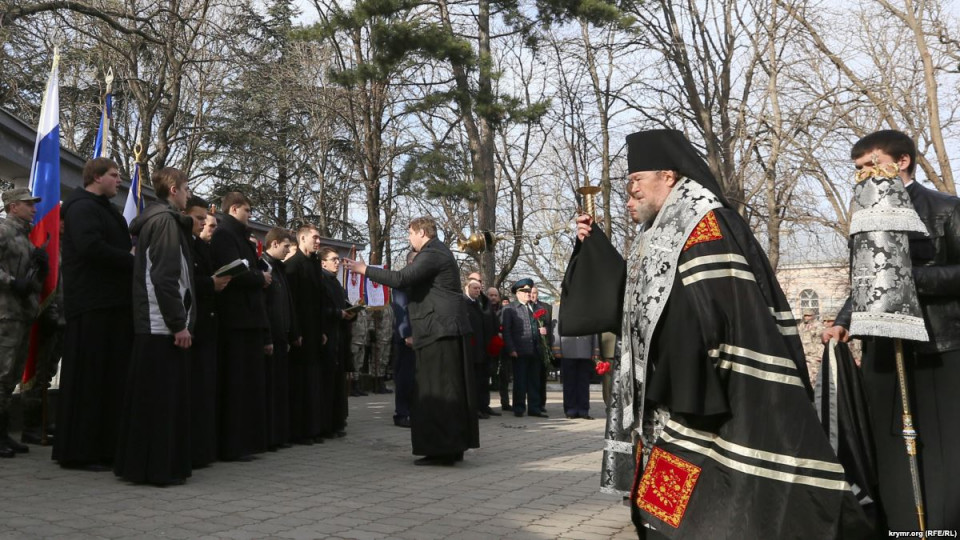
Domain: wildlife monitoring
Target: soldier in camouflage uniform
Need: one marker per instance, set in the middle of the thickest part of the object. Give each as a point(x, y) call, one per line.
point(383, 340)
point(380, 323)
point(23, 268)
point(359, 336)
point(51, 325)
point(810, 330)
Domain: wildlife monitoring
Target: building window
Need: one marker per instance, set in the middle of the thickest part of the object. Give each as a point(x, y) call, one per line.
point(809, 300)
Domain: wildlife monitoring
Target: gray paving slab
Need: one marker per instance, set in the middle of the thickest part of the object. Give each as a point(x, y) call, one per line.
point(532, 478)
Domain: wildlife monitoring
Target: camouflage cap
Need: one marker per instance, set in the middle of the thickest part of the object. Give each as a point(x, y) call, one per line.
point(809, 311)
point(18, 194)
point(829, 316)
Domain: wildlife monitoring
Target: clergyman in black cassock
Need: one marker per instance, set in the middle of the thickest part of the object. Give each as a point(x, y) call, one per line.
point(711, 399)
point(444, 417)
point(336, 327)
point(203, 351)
point(307, 417)
point(283, 326)
point(97, 284)
point(244, 332)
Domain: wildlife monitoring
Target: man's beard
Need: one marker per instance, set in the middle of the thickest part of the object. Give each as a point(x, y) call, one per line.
point(645, 213)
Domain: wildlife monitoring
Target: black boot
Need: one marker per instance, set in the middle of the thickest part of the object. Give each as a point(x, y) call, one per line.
point(32, 426)
point(5, 439)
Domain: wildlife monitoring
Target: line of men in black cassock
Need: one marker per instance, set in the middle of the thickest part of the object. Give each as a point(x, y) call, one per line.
point(167, 367)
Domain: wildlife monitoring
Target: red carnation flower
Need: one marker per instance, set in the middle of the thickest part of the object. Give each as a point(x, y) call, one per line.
point(602, 367)
point(494, 346)
point(539, 313)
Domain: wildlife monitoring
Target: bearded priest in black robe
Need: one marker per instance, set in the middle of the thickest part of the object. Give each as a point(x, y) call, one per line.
point(711, 432)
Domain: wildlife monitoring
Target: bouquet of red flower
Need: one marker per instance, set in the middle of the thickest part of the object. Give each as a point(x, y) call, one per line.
point(602, 367)
point(495, 345)
point(540, 316)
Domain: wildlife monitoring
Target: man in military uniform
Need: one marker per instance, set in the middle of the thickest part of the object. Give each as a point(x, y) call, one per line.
point(51, 324)
point(359, 338)
point(23, 268)
point(382, 322)
point(810, 329)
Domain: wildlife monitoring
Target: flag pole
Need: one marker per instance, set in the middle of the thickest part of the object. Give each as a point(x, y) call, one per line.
point(910, 437)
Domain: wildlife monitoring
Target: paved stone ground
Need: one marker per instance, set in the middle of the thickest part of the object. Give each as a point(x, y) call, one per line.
point(532, 478)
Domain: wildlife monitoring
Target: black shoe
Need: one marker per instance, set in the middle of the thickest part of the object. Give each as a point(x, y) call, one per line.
point(14, 445)
point(445, 461)
point(492, 412)
point(572, 416)
point(541, 414)
point(518, 414)
point(458, 456)
point(506, 408)
point(318, 440)
point(587, 417)
point(6, 451)
point(402, 422)
point(340, 434)
point(482, 415)
point(32, 436)
point(306, 441)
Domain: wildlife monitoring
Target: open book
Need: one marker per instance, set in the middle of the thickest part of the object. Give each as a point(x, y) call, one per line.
point(232, 268)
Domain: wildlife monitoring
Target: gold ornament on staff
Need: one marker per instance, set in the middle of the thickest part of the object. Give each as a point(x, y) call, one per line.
point(479, 241)
point(589, 203)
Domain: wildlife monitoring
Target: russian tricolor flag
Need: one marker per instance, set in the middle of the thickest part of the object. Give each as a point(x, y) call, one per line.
point(134, 204)
point(103, 132)
point(45, 183)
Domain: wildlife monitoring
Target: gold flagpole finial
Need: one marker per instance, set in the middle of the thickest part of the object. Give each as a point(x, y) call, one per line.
point(109, 80)
point(138, 152)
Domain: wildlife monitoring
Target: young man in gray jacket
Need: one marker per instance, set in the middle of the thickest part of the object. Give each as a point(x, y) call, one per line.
point(154, 442)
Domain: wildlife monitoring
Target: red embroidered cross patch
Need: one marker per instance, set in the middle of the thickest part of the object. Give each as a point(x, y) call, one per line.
point(707, 230)
point(666, 486)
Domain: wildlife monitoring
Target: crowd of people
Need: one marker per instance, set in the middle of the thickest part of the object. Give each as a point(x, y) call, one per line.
point(182, 345)
point(191, 347)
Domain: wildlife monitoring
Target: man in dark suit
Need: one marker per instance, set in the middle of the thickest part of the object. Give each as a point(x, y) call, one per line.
point(483, 326)
point(405, 359)
point(444, 416)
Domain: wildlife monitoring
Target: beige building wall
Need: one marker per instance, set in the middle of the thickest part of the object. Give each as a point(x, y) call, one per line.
point(821, 286)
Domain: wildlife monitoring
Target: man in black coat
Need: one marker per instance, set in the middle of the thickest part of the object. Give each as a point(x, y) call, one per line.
point(308, 419)
point(97, 285)
point(932, 368)
point(336, 326)
point(285, 333)
point(244, 336)
point(203, 352)
point(483, 326)
point(444, 415)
